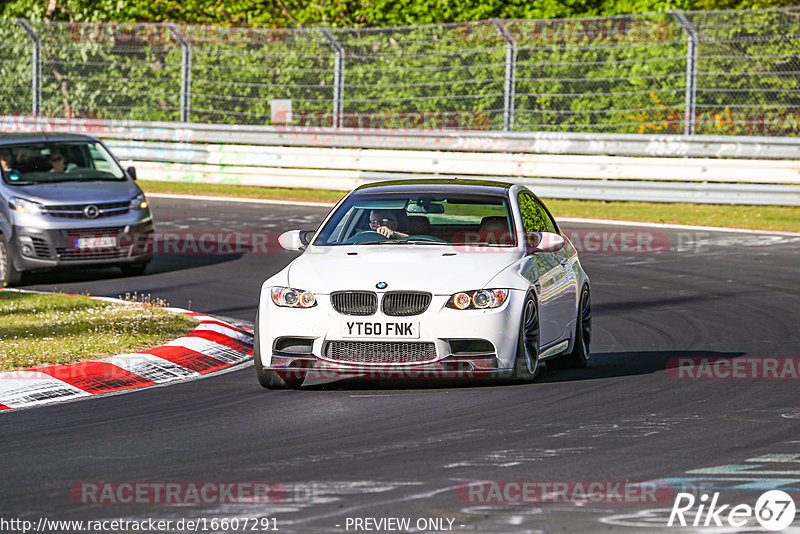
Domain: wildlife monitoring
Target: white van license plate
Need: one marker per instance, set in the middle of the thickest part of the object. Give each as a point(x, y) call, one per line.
point(96, 242)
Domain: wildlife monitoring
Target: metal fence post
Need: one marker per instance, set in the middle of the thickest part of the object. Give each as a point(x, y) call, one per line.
point(691, 70)
point(36, 66)
point(338, 76)
point(186, 71)
point(510, 76)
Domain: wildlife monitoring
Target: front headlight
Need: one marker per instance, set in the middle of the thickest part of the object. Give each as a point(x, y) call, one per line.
point(139, 202)
point(25, 206)
point(293, 298)
point(478, 299)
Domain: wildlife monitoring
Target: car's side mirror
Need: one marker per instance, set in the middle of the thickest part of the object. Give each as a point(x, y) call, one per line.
point(132, 172)
point(543, 242)
point(306, 235)
point(295, 239)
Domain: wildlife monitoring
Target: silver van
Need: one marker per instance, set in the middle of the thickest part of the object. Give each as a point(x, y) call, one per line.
point(66, 201)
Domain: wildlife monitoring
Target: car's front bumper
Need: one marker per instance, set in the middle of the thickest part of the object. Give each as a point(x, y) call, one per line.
point(48, 248)
point(460, 343)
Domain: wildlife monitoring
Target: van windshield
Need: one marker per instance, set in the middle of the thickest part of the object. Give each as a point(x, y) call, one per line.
point(48, 162)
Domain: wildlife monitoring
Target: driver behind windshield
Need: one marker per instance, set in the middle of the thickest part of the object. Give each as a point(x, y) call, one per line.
point(389, 222)
point(59, 162)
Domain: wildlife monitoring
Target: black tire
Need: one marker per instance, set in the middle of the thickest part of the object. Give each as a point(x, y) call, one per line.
point(133, 269)
point(526, 362)
point(9, 275)
point(579, 356)
point(272, 380)
point(267, 378)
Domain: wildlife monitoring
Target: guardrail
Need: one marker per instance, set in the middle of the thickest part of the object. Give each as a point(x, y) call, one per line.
point(709, 169)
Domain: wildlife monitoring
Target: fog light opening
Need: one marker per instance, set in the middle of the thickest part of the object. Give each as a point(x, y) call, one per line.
point(26, 246)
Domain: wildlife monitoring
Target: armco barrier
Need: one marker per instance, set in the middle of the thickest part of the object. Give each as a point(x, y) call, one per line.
point(663, 168)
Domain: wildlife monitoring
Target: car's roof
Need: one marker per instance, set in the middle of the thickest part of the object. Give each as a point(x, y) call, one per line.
point(42, 137)
point(451, 186)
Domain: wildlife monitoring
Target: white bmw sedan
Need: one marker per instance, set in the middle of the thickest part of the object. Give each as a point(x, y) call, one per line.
point(424, 278)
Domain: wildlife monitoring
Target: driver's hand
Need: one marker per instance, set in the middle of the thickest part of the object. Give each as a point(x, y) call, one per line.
point(385, 231)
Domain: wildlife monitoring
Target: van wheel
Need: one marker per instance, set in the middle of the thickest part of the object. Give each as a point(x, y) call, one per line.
point(133, 269)
point(9, 275)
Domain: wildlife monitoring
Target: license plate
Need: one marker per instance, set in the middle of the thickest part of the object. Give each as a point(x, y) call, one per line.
point(95, 242)
point(381, 329)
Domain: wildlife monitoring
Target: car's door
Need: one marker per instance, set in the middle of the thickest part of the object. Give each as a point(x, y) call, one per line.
point(551, 272)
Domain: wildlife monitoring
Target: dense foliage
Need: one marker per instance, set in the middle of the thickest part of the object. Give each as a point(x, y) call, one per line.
point(347, 13)
point(623, 74)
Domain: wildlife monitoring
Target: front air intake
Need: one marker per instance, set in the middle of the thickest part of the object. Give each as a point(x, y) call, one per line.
point(355, 302)
point(405, 303)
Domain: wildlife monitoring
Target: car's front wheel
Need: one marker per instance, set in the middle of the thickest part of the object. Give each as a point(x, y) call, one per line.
point(526, 362)
point(9, 275)
point(579, 356)
point(268, 378)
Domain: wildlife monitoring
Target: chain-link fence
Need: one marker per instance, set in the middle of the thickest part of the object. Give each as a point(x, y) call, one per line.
point(16, 69)
point(708, 72)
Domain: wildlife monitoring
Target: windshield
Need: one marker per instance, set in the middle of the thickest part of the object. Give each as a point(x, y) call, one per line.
point(48, 162)
point(394, 218)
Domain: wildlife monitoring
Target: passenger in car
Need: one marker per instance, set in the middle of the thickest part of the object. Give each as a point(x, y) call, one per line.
point(494, 230)
point(6, 159)
point(7, 164)
point(418, 225)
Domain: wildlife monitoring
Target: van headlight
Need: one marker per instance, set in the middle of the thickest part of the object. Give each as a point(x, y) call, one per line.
point(289, 297)
point(25, 206)
point(139, 202)
point(478, 299)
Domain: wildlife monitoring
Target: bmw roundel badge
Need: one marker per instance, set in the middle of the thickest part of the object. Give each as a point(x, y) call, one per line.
point(381, 285)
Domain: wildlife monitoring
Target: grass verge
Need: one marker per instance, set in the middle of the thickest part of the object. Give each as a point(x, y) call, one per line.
point(779, 218)
point(39, 330)
point(242, 191)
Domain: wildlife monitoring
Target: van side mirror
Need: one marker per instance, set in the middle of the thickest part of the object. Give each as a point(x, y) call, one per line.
point(131, 172)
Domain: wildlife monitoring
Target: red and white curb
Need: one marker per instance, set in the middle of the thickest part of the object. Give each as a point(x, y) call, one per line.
point(213, 346)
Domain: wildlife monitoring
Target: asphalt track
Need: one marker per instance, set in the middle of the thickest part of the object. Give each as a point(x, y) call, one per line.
point(391, 450)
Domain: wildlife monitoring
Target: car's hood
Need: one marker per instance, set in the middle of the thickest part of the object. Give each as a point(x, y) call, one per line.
point(434, 268)
point(79, 192)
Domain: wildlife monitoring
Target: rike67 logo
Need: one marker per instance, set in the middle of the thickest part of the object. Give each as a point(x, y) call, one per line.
point(774, 511)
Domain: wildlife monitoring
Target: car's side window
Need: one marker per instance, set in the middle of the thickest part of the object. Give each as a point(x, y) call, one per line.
point(534, 216)
point(549, 221)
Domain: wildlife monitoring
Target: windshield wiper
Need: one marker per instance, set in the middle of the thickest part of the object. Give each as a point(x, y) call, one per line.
point(400, 242)
point(83, 180)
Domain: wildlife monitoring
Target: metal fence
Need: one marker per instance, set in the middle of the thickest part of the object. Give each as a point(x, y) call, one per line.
point(705, 72)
